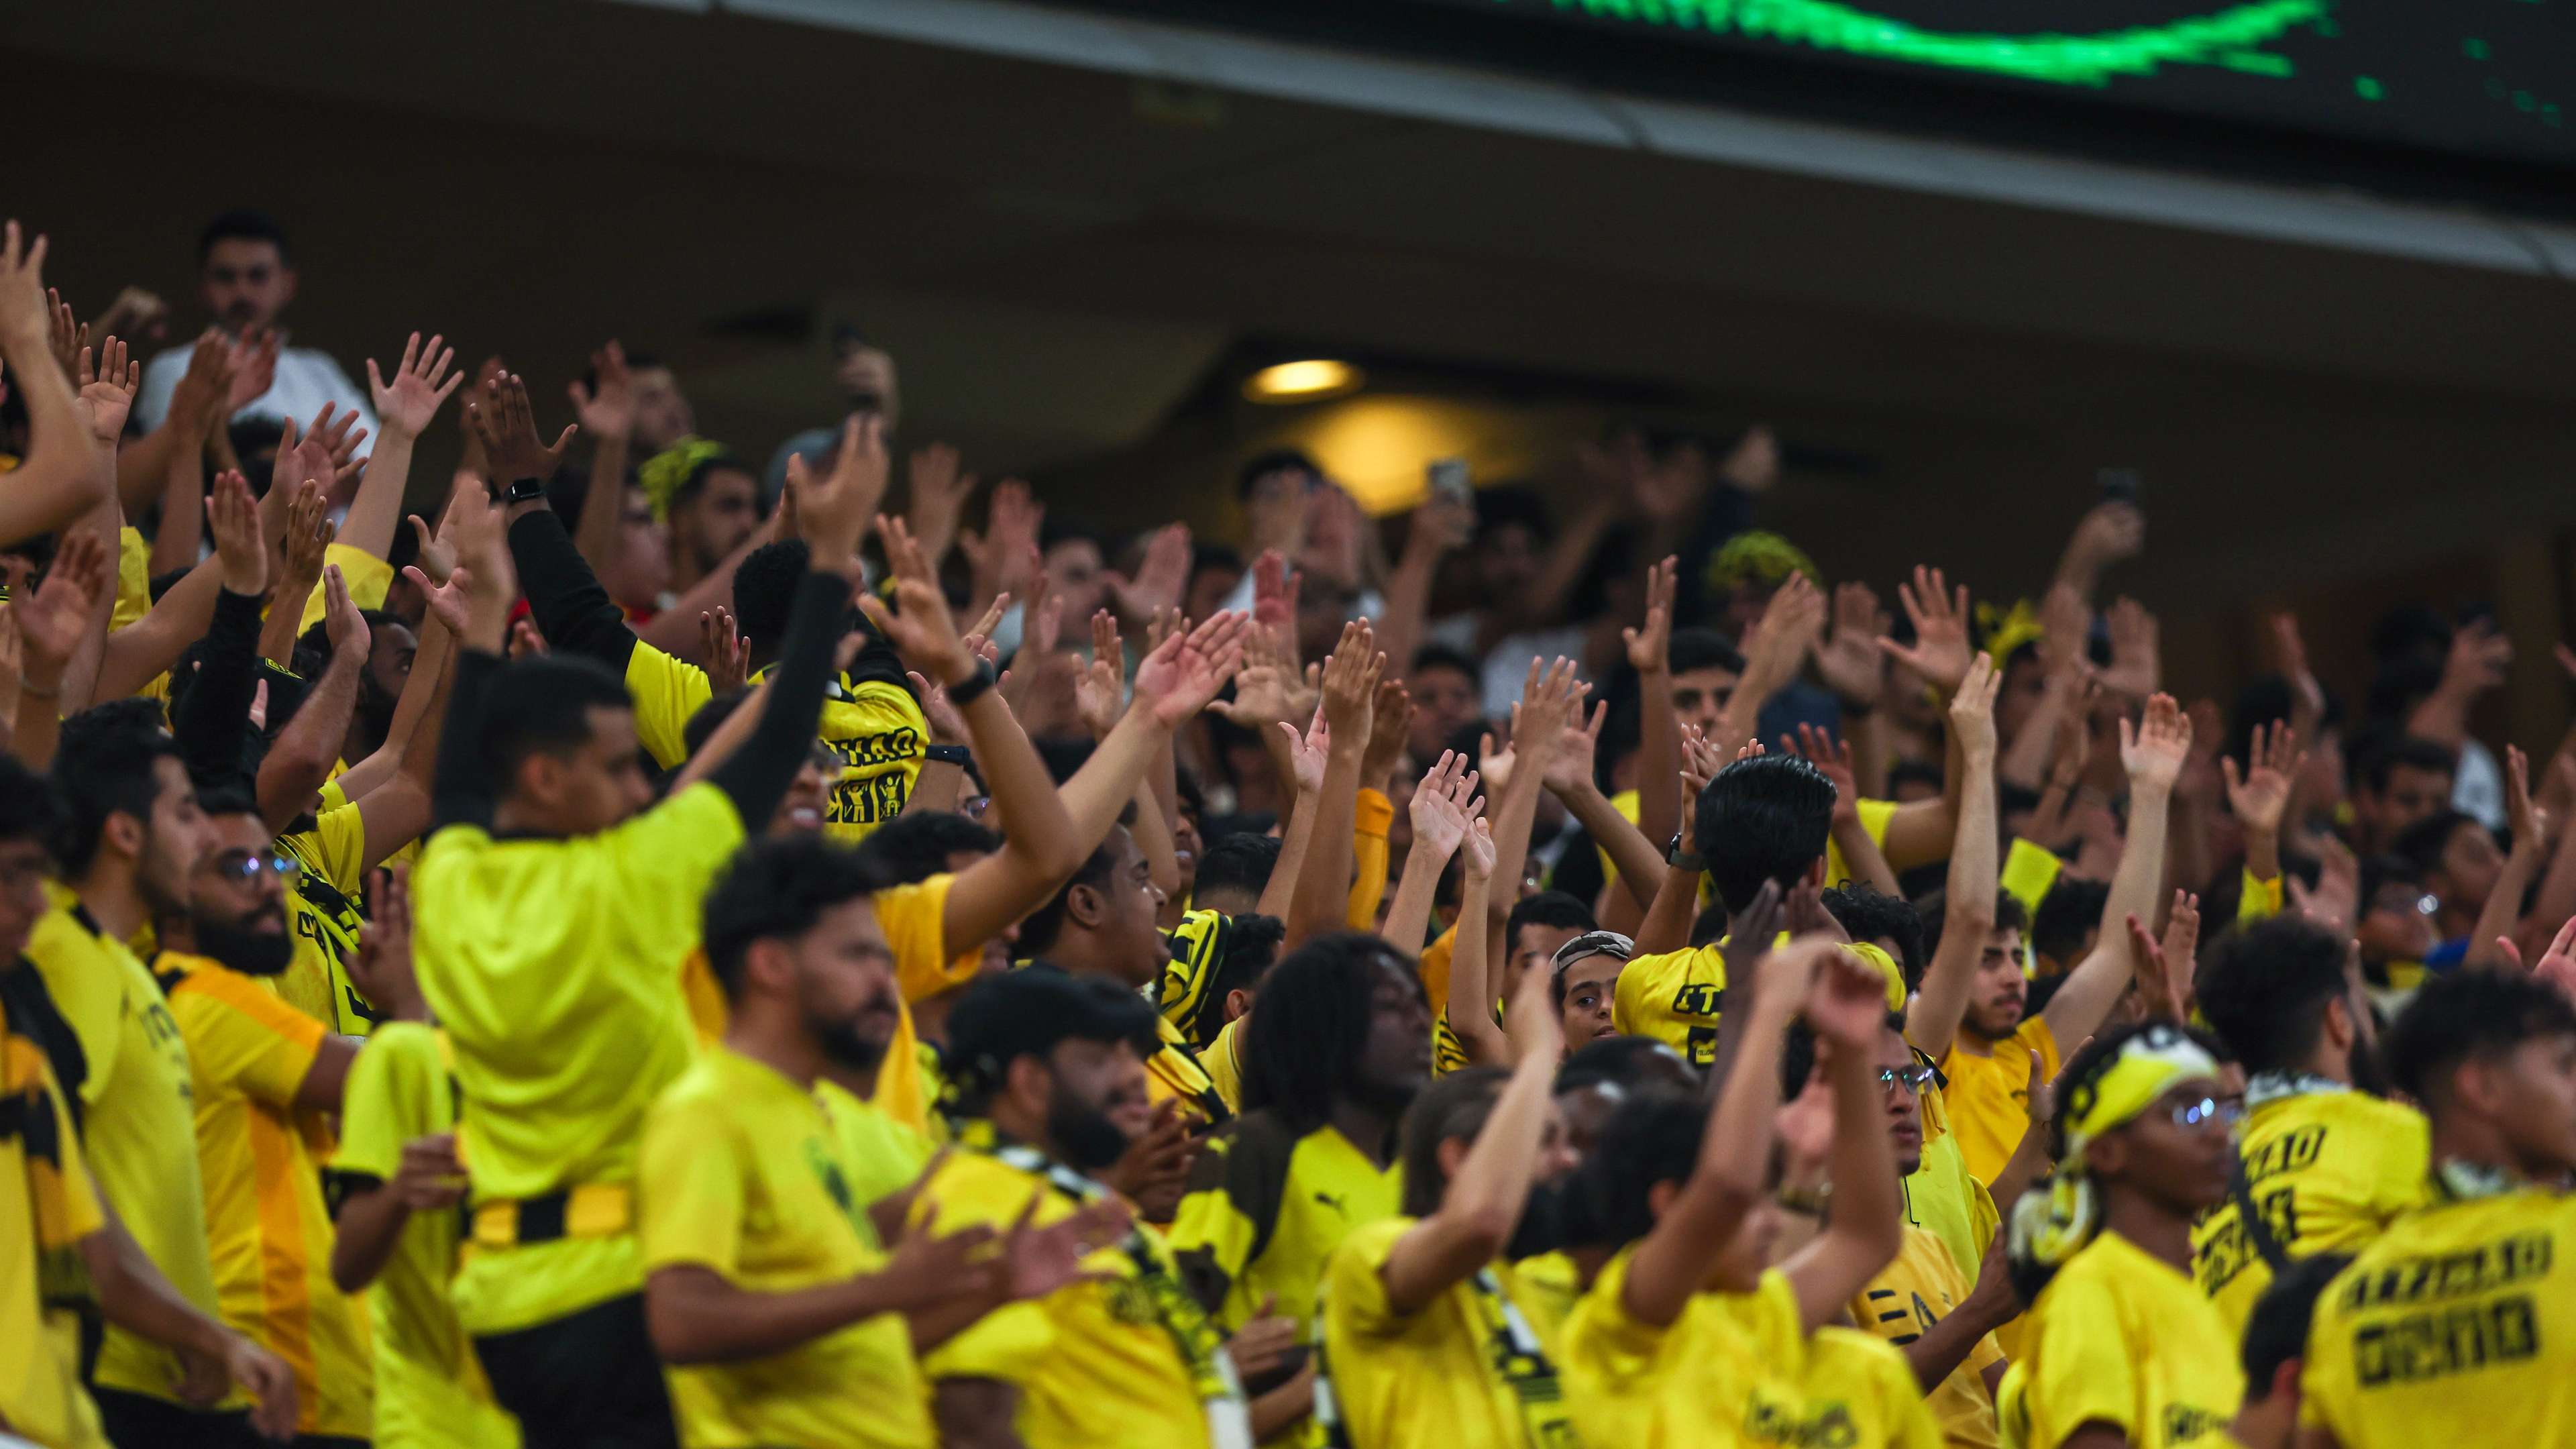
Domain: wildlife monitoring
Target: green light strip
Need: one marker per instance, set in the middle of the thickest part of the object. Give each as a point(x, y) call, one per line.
point(2223, 37)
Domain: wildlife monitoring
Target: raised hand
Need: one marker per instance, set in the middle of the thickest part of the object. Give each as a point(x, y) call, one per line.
point(241, 553)
point(1551, 702)
point(499, 417)
point(1100, 694)
point(342, 623)
point(1940, 649)
point(939, 493)
point(253, 356)
point(1846, 1001)
point(1569, 765)
point(2109, 533)
point(68, 337)
point(727, 653)
point(382, 968)
point(333, 444)
point(1445, 805)
point(2557, 965)
point(2153, 750)
point(421, 382)
point(446, 601)
point(1700, 760)
point(1160, 579)
point(25, 323)
point(1834, 759)
point(1308, 752)
point(2336, 902)
point(2480, 654)
point(1178, 680)
point(1000, 555)
point(2261, 794)
point(53, 620)
point(1972, 709)
point(197, 403)
point(107, 391)
point(1274, 602)
point(1650, 648)
point(304, 544)
point(2134, 656)
point(1390, 727)
point(1261, 685)
point(607, 409)
point(2159, 996)
point(1350, 680)
point(919, 626)
point(1849, 659)
point(2523, 819)
point(834, 511)
point(482, 548)
point(1477, 847)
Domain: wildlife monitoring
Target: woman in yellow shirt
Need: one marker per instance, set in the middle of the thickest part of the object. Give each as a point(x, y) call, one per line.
point(1429, 1339)
point(2122, 1347)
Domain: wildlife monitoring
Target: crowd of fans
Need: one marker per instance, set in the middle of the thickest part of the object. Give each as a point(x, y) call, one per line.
point(619, 964)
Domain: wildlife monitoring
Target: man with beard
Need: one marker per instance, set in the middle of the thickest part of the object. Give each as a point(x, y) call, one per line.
point(246, 279)
point(771, 1298)
point(1050, 1085)
point(1339, 1048)
point(2328, 1161)
point(260, 1072)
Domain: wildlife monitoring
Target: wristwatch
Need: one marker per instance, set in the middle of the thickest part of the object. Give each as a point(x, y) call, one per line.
point(957, 755)
point(525, 490)
point(966, 691)
point(1679, 853)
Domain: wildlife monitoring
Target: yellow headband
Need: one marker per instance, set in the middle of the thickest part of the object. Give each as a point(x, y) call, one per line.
point(2009, 630)
point(667, 472)
point(2049, 1225)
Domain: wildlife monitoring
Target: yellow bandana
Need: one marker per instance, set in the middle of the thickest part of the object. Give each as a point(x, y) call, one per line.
point(2050, 1224)
point(667, 472)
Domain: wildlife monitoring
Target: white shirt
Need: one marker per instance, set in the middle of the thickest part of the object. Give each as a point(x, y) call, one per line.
point(306, 379)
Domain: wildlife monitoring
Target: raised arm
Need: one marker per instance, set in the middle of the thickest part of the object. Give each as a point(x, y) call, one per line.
point(1482, 1206)
point(2503, 909)
point(606, 411)
point(59, 479)
point(1848, 1009)
point(300, 758)
point(52, 621)
point(1661, 810)
point(2153, 753)
point(212, 720)
point(1551, 702)
point(2260, 797)
point(1438, 527)
point(1445, 805)
point(1471, 965)
point(1324, 881)
point(1969, 915)
point(1569, 778)
point(404, 407)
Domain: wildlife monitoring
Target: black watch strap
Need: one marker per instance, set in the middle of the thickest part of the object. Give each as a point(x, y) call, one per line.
point(525, 490)
point(966, 691)
point(957, 755)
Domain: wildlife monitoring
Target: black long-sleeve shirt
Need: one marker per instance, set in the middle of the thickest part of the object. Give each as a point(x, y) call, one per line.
point(212, 719)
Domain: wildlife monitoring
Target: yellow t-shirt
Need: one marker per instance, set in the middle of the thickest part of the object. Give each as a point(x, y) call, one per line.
point(1223, 1062)
point(138, 1124)
point(1368, 858)
point(1733, 1369)
point(1174, 1071)
point(323, 910)
point(2257, 899)
point(368, 578)
point(133, 578)
point(2329, 1170)
point(1092, 1361)
point(1922, 1287)
point(1198, 947)
point(875, 727)
point(47, 1205)
point(1434, 963)
point(1263, 1215)
point(555, 967)
point(745, 1173)
point(2122, 1338)
point(260, 1158)
point(1434, 1379)
point(2453, 1327)
point(883, 1156)
point(1989, 1096)
point(1676, 996)
point(1874, 815)
point(1945, 1199)
point(430, 1389)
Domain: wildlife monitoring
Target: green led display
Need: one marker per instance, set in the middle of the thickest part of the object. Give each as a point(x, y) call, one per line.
point(2231, 36)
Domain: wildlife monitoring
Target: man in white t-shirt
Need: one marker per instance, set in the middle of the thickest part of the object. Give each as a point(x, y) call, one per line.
point(246, 279)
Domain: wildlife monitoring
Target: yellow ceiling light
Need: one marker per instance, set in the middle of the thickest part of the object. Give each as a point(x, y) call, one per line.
point(1306, 380)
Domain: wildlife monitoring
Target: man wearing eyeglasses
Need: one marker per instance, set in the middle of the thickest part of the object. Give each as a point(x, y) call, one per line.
point(261, 1073)
point(1920, 1303)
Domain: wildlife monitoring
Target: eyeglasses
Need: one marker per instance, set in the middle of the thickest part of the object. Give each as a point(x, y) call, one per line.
point(242, 867)
point(1915, 1079)
point(2192, 1114)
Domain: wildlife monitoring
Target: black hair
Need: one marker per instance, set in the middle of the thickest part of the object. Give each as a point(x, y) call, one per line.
point(2266, 990)
point(1441, 656)
point(1915, 772)
point(2070, 911)
point(542, 706)
point(103, 766)
point(1251, 947)
point(2268, 699)
point(1030, 1012)
point(2277, 1331)
point(764, 592)
point(2464, 1014)
point(1555, 909)
point(710, 717)
point(2375, 761)
point(2400, 685)
point(1702, 649)
point(1615, 1060)
point(30, 809)
point(1038, 931)
point(1866, 914)
point(1763, 819)
point(1058, 527)
point(227, 799)
point(251, 437)
point(776, 890)
point(1509, 506)
point(1709, 925)
point(1933, 909)
point(1305, 1043)
point(1206, 556)
point(1241, 862)
point(1652, 1137)
point(242, 224)
point(1064, 755)
point(316, 639)
point(1451, 1108)
point(915, 846)
point(1798, 1053)
point(2423, 842)
point(1272, 460)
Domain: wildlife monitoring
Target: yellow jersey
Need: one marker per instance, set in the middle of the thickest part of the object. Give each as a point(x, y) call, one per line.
point(1922, 1287)
point(1676, 997)
point(323, 911)
point(2122, 1338)
point(2328, 1167)
point(260, 1158)
point(1223, 1063)
point(137, 1122)
point(871, 721)
point(747, 1174)
point(884, 1156)
point(1733, 1369)
point(1988, 1097)
point(367, 576)
point(1478, 1365)
point(47, 1205)
point(430, 1389)
point(2452, 1327)
point(554, 966)
point(1174, 1071)
point(1129, 1360)
point(1198, 947)
point(1263, 1214)
point(1945, 1199)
